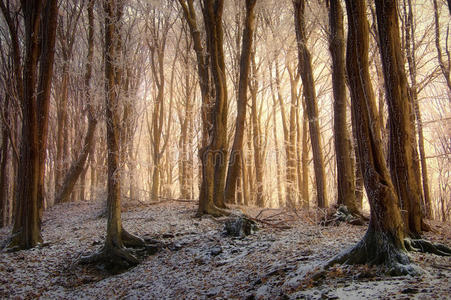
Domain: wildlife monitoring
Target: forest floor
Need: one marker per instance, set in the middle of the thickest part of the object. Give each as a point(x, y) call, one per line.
point(200, 262)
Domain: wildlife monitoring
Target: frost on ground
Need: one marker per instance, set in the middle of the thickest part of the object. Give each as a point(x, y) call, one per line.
point(198, 261)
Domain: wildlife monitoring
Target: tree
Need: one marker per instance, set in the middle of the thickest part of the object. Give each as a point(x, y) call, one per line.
point(444, 66)
point(214, 113)
point(345, 170)
point(237, 148)
point(35, 99)
point(401, 157)
point(78, 165)
point(305, 69)
point(383, 242)
point(410, 45)
point(114, 253)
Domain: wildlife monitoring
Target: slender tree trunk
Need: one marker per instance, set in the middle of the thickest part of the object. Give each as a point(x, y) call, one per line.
point(400, 111)
point(413, 92)
point(444, 67)
point(237, 147)
point(291, 146)
point(305, 158)
point(276, 146)
point(345, 171)
point(4, 182)
point(78, 166)
point(305, 69)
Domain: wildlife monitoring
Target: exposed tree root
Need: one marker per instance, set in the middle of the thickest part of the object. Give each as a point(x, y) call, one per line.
point(214, 211)
point(116, 259)
point(16, 243)
point(420, 245)
point(112, 258)
point(131, 240)
point(377, 248)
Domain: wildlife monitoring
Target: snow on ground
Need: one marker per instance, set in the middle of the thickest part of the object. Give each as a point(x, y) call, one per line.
point(199, 262)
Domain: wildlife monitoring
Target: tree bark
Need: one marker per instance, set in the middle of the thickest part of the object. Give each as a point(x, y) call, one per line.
point(207, 204)
point(345, 170)
point(237, 147)
point(305, 69)
point(383, 242)
point(401, 156)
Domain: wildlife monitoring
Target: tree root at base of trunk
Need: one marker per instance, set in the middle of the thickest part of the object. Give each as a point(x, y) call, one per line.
point(117, 259)
point(213, 210)
point(378, 249)
point(424, 246)
point(113, 259)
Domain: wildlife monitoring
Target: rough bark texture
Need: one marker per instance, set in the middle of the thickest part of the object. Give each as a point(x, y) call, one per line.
point(237, 147)
point(401, 156)
point(383, 242)
point(305, 69)
point(345, 170)
point(207, 204)
point(34, 104)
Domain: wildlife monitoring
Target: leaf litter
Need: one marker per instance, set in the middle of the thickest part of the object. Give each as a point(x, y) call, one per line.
point(198, 261)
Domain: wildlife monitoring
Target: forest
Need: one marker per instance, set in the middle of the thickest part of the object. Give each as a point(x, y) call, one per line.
point(225, 149)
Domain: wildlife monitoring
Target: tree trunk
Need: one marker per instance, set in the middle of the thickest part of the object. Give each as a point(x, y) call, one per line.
point(345, 171)
point(413, 92)
point(305, 69)
point(292, 192)
point(65, 189)
point(444, 67)
point(305, 158)
point(207, 205)
point(78, 166)
point(27, 226)
point(237, 147)
point(4, 173)
point(401, 156)
point(383, 242)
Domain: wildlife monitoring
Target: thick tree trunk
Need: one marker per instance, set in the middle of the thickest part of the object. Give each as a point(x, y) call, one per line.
point(401, 156)
point(383, 242)
point(305, 69)
point(237, 147)
point(207, 205)
point(27, 225)
point(216, 151)
point(345, 171)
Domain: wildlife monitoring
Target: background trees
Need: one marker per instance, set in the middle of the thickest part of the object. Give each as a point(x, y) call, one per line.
point(218, 105)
